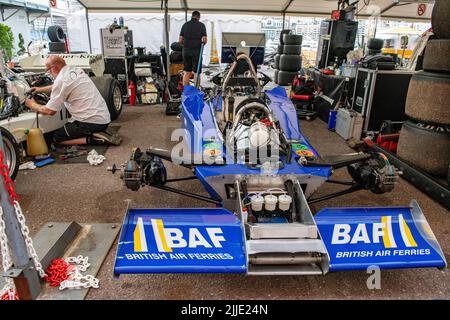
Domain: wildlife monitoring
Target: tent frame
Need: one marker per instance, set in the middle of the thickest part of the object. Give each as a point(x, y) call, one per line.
point(185, 7)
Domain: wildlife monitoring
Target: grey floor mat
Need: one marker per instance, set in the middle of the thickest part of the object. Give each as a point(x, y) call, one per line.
point(83, 159)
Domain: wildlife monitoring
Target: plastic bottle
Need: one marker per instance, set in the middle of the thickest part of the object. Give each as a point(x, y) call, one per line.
point(121, 22)
point(36, 145)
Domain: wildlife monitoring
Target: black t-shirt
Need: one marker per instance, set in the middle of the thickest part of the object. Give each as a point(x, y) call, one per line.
point(193, 31)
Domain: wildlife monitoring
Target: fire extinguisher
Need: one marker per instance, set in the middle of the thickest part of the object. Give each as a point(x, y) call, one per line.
point(132, 93)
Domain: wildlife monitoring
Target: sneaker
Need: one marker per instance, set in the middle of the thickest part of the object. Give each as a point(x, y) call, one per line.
point(104, 138)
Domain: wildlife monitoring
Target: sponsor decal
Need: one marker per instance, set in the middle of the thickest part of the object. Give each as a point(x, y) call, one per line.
point(212, 152)
point(212, 145)
point(299, 146)
point(381, 232)
point(168, 243)
point(304, 153)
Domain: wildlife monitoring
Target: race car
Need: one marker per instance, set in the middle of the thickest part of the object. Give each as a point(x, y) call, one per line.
point(245, 146)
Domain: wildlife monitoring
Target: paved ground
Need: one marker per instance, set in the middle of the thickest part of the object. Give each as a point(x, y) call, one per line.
point(91, 194)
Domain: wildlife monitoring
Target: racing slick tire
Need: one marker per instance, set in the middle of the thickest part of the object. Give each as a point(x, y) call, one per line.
point(437, 56)
point(176, 46)
point(56, 34)
point(290, 62)
point(428, 98)
point(110, 90)
point(285, 77)
point(276, 64)
point(292, 49)
point(292, 39)
point(57, 47)
point(12, 152)
point(440, 19)
point(280, 49)
point(425, 146)
point(282, 33)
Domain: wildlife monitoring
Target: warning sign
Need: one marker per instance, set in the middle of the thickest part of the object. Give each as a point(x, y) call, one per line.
point(421, 8)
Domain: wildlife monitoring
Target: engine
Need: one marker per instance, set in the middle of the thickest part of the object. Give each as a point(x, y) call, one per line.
point(253, 135)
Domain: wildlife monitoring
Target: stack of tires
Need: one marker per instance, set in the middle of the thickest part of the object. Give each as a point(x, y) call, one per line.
point(57, 39)
point(288, 60)
point(176, 56)
point(425, 136)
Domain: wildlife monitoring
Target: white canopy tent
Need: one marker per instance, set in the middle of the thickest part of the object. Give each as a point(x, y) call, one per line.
point(388, 9)
point(399, 9)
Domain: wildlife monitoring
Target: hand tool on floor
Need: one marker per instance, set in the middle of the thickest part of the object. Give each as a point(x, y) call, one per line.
point(71, 155)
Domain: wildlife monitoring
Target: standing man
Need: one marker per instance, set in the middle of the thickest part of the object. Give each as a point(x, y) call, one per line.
point(192, 35)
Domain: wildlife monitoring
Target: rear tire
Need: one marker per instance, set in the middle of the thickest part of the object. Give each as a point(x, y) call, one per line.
point(440, 19)
point(176, 46)
point(280, 49)
point(110, 90)
point(12, 153)
point(59, 47)
point(282, 33)
point(437, 56)
point(56, 34)
point(292, 39)
point(290, 62)
point(285, 77)
point(428, 98)
point(426, 148)
point(292, 49)
point(276, 64)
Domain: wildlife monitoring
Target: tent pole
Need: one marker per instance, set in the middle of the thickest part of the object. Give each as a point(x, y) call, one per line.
point(89, 31)
point(88, 26)
point(166, 33)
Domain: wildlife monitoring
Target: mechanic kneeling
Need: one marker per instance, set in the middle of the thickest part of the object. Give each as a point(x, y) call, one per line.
point(90, 114)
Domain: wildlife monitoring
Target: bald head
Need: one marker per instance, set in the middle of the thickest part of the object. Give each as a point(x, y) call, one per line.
point(54, 64)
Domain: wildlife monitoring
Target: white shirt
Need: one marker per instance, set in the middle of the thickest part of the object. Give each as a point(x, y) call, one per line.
point(75, 89)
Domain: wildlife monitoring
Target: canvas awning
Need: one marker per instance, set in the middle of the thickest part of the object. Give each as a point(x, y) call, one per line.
point(17, 5)
point(25, 5)
point(393, 9)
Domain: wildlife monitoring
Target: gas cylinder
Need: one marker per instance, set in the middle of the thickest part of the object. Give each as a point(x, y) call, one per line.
point(132, 93)
point(36, 144)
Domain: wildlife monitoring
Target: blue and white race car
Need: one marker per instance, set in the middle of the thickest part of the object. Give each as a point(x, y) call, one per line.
point(245, 146)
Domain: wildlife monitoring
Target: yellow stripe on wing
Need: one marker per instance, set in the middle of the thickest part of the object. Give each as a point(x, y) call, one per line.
point(137, 239)
point(160, 226)
point(386, 238)
point(412, 242)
